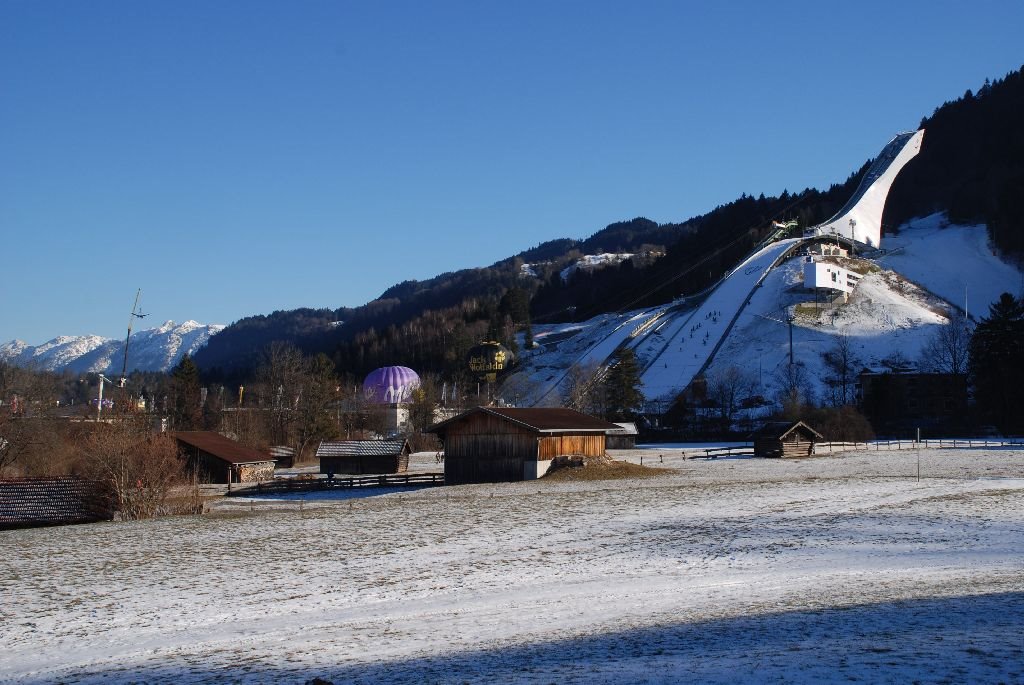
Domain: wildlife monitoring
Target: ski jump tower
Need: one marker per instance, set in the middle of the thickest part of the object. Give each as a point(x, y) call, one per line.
point(860, 219)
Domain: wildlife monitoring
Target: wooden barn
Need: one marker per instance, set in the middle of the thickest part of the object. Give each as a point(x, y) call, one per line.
point(364, 456)
point(503, 444)
point(623, 438)
point(785, 439)
point(219, 459)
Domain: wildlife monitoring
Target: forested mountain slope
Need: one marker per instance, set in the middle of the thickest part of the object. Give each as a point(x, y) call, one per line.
point(971, 167)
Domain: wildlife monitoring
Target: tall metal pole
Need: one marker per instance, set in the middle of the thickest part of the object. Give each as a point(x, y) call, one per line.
point(791, 319)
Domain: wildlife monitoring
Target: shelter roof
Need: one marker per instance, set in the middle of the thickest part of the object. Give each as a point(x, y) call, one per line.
point(540, 419)
point(780, 429)
point(221, 447)
point(361, 448)
point(624, 429)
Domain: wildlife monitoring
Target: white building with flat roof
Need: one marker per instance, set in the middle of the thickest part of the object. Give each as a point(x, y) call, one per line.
point(830, 276)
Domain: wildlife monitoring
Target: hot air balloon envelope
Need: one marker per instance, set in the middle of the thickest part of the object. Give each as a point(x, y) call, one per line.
point(488, 359)
point(391, 385)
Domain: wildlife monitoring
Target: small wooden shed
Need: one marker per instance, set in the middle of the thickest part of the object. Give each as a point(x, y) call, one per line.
point(219, 459)
point(622, 438)
point(785, 439)
point(364, 456)
point(505, 444)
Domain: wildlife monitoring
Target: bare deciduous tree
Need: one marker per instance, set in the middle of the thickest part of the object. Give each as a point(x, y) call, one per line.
point(728, 388)
point(27, 400)
point(794, 390)
point(138, 467)
point(279, 383)
point(842, 363)
point(581, 389)
point(948, 349)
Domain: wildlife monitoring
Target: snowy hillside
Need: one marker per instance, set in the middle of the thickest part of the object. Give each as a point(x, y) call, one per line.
point(154, 349)
point(588, 262)
point(906, 294)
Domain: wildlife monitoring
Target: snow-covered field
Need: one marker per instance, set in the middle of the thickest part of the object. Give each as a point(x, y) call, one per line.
point(833, 568)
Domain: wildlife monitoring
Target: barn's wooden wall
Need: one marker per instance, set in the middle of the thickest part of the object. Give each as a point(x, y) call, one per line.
point(588, 444)
point(483, 448)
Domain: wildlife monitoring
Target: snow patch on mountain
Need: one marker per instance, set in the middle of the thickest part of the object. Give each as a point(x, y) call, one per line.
point(154, 349)
point(591, 262)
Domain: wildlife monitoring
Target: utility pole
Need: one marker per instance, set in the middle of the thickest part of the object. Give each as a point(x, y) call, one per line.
point(790, 319)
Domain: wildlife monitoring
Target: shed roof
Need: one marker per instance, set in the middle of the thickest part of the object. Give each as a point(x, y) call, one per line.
point(221, 447)
point(361, 448)
point(539, 420)
point(780, 429)
point(26, 502)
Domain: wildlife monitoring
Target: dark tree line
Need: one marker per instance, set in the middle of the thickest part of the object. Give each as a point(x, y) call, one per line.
point(996, 365)
point(971, 165)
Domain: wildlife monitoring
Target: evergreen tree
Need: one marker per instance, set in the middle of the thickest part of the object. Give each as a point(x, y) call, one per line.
point(622, 387)
point(187, 410)
point(997, 364)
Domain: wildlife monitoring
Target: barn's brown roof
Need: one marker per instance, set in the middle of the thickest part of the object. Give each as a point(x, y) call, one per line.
point(541, 420)
point(223, 448)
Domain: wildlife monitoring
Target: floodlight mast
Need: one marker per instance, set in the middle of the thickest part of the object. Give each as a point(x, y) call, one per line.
point(99, 400)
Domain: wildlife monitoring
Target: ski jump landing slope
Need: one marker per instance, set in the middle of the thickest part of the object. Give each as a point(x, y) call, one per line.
point(691, 341)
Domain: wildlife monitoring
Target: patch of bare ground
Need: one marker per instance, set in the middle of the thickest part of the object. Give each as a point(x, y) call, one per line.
point(599, 468)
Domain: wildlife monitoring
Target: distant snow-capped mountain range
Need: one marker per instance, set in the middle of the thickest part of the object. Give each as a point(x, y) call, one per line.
point(154, 349)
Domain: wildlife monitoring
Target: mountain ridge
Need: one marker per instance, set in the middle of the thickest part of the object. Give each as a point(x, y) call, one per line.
point(153, 349)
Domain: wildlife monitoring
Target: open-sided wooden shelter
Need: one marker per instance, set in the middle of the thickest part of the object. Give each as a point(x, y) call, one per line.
point(363, 456)
point(785, 439)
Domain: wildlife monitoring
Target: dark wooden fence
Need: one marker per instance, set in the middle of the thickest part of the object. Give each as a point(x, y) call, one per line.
point(318, 484)
point(715, 452)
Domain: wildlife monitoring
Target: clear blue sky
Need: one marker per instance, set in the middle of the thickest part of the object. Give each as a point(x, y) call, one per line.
point(234, 158)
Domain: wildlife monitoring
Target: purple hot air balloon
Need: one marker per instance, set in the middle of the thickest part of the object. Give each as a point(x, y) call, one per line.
point(391, 385)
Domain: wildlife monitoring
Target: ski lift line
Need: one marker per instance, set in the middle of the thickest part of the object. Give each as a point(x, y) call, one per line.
point(772, 238)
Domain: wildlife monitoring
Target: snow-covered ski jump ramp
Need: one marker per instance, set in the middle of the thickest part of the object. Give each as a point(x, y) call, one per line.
point(693, 340)
point(860, 219)
point(675, 345)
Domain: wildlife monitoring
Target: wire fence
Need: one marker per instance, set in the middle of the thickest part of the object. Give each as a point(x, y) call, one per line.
point(930, 443)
